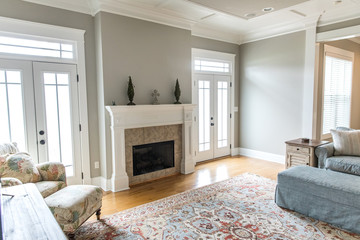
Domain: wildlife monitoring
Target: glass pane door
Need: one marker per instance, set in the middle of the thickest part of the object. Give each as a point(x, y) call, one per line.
point(213, 100)
point(222, 115)
point(17, 121)
point(57, 116)
point(205, 116)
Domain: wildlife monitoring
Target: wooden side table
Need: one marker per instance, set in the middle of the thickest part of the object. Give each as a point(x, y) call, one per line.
point(300, 153)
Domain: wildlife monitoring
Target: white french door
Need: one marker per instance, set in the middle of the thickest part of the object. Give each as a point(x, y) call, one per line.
point(41, 109)
point(213, 116)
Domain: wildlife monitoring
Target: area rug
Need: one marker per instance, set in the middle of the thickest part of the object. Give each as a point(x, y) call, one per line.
point(242, 207)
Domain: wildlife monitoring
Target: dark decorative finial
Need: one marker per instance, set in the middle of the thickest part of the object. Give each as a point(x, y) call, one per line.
point(131, 92)
point(177, 92)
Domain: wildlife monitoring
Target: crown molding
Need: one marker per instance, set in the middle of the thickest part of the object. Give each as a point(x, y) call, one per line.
point(81, 6)
point(143, 13)
point(280, 29)
point(198, 28)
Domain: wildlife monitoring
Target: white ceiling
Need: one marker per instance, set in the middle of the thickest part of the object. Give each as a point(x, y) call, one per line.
point(223, 20)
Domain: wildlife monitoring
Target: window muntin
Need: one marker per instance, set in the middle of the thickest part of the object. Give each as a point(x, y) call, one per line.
point(29, 47)
point(205, 65)
point(12, 121)
point(337, 92)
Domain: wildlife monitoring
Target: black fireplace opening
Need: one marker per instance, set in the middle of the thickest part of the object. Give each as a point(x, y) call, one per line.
point(153, 157)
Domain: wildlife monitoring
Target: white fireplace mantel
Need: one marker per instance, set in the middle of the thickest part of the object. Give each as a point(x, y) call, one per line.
point(139, 116)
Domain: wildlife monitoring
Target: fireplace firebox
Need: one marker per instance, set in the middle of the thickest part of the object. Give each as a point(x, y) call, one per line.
point(153, 157)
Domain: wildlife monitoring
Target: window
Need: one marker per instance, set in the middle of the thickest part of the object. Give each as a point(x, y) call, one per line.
point(30, 47)
point(12, 117)
point(203, 65)
point(337, 89)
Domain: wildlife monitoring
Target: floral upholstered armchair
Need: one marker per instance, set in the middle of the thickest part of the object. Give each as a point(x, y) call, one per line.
point(18, 168)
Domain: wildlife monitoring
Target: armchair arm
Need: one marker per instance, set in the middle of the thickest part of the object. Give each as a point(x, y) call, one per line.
point(9, 182)
point(323, 152)
point(52, 171)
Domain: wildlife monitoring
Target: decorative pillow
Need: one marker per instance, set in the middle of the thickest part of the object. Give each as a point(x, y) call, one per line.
point(346, 142)
point(8, 148)
point(52, 171)
point(20, 166)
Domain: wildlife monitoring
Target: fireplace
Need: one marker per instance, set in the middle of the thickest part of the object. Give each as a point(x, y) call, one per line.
point(153, 157)
point(144, 124)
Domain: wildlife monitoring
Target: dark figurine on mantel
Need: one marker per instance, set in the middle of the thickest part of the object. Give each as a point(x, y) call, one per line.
point(130, 92)
point(177, 92)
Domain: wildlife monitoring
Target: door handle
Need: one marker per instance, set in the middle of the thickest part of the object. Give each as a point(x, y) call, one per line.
point(42, 142)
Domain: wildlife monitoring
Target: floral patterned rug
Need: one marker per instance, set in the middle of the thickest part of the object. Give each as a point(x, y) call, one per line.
point(242, 207)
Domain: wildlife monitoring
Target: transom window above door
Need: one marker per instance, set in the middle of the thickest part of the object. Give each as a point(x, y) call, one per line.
point(208, 65)
point(36, 46)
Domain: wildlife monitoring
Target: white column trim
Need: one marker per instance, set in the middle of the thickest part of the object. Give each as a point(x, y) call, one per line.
point(309, 80)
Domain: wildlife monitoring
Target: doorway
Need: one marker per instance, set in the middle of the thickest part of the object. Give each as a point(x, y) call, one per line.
point(213, 116)
point(213, 94)
point(41, 112)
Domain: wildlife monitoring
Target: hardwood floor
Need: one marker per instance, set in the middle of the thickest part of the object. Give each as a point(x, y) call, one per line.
point(205, 173)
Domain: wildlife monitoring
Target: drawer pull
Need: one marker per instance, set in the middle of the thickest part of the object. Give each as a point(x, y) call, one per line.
point(298, 149)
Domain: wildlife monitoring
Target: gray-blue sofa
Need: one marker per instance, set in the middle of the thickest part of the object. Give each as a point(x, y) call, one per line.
point(330, 193)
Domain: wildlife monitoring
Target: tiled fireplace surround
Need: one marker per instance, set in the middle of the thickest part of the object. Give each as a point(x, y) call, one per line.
point(142, 124)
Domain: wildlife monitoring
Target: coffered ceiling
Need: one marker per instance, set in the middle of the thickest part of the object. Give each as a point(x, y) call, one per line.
point(235, 21)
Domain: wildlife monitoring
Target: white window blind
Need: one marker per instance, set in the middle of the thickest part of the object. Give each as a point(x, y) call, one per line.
point(337, 92)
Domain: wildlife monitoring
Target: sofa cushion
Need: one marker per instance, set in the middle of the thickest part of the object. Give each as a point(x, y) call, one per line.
point(74, 204)
point(20, 166)
point(8, 148)
point(346, 142)
point(329, 196)
point(46, 188)
point(346, 164)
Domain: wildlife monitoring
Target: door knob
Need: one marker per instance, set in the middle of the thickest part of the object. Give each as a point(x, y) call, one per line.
point(212, 118)
point(212, 124)
point(42, 142)
point(41, 132)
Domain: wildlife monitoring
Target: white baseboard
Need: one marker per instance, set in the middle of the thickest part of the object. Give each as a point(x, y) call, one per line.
point(235, 151)
point(102, 182)
point(259, 154)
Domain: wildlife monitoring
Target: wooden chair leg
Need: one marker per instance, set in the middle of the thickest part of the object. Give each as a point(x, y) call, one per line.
point(98, 213)
point(71, 236)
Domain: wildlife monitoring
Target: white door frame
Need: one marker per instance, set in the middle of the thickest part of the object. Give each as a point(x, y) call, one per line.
point(26, 28)
point(207, 54)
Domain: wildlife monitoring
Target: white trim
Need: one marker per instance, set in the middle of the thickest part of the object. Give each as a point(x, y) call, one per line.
point(215, 55)
point(102, 182)
point(309, 82)
point(338, 34)
point(235, 151)
point(262, 155)
point(11, 25)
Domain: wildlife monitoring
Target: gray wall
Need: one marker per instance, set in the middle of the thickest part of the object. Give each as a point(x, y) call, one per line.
point(271, 92)
point(42, 14)
point(154, 55)
point(213, 45)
